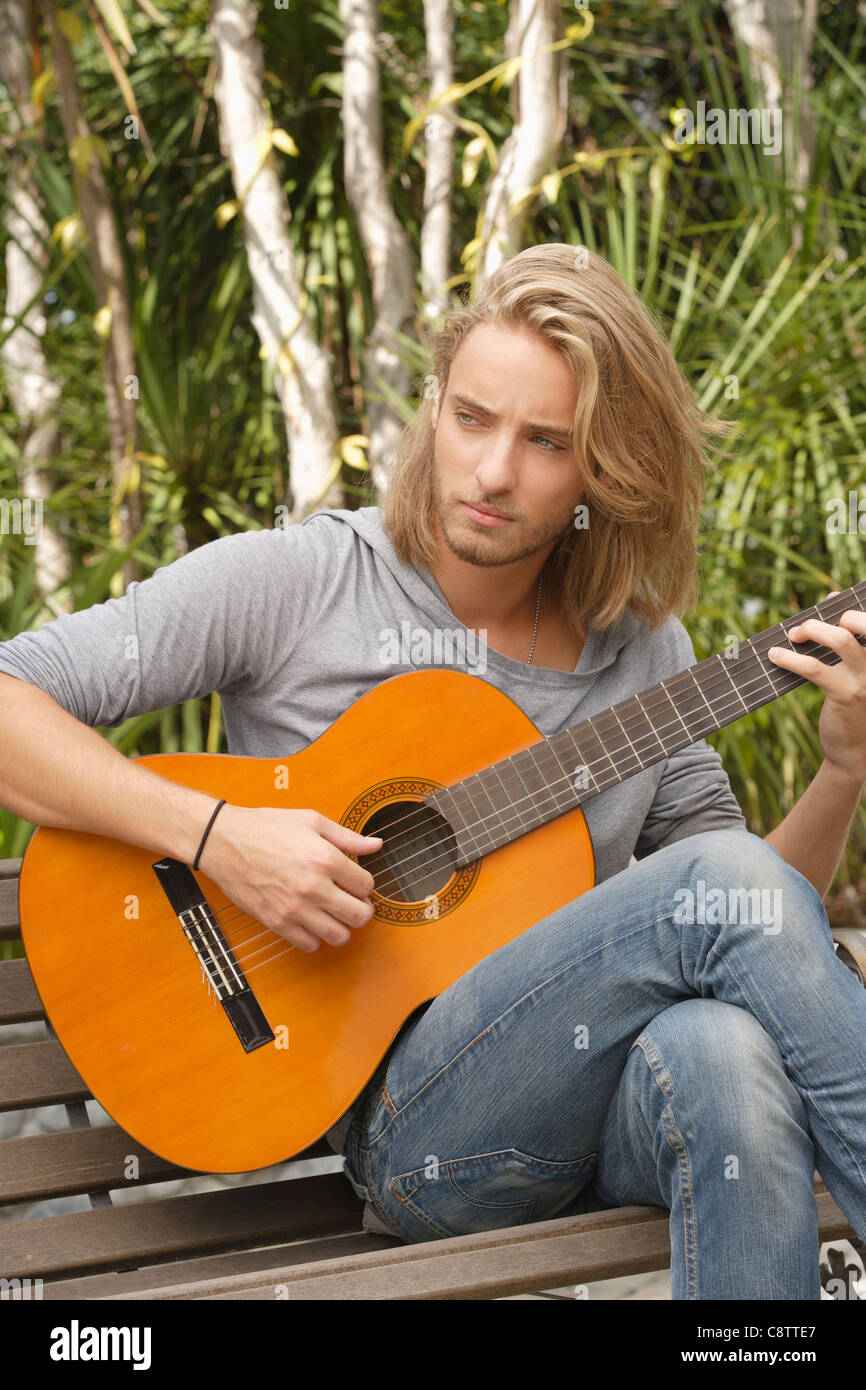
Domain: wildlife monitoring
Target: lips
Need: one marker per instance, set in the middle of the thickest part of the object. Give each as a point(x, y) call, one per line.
point(488, 511)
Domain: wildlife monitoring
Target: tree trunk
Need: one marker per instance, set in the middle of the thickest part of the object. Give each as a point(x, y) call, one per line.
point(439, 173)
point(33, 391)
point(387, 248)
point(109, 275)
point(779, 35)
point(539, 98)
point(303, 372)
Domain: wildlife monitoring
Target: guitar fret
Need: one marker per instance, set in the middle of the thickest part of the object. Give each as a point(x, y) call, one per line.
point(733, 682)
point(631, 745)
point(676, 711)
point(584, 763)
point(704, 698)
point(651, 725)
point(466, 827)
point(620, 753)
point(533, 781)
point(568, 789)
point(553, 776)
point(526, 798)
point(767, 674)
point(493, 799)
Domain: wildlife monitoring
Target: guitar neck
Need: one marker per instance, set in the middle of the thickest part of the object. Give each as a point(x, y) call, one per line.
point(502, 802)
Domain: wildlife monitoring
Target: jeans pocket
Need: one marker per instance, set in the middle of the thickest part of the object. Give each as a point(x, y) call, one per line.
point(485, 1192)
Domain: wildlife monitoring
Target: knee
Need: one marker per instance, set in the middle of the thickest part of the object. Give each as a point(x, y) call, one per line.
point(716, 1065)
point(736, 876)
point(700, 1035)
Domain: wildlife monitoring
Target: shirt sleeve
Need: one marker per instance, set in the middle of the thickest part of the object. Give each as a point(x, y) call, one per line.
point(208, 621)
point(693, 794)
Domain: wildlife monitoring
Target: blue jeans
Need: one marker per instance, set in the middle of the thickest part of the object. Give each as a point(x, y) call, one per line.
point(664, 1039)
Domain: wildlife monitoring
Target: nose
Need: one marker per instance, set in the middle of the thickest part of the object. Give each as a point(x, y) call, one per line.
point(497, 471)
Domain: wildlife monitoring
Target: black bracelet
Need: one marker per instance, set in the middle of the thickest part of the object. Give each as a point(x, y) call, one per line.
point(219, 806)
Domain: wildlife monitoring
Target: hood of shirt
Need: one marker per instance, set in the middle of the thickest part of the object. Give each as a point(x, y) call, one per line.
point(600, 649)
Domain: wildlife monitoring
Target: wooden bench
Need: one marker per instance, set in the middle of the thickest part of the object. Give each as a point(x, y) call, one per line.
point(300, 1237)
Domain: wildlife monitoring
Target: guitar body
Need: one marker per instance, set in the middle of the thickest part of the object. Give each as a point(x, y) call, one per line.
point(128, 997)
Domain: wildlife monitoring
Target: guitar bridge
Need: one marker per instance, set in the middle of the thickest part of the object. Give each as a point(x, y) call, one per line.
point(215, 955)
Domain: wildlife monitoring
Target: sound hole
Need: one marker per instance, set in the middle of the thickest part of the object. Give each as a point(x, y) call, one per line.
point(418, 853)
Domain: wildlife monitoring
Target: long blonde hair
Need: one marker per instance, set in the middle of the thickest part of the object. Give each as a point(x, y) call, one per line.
point(638, 438)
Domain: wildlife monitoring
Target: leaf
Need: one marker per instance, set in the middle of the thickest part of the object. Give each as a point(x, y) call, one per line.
point(550, 186)
point(283, 141)
point(40, 86)
point(226, 211)
point(352, 447)
point(102, 322)
point(471, 160)
point(113, 16)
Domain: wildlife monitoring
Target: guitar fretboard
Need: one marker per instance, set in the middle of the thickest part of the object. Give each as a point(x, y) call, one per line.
point(498, 804)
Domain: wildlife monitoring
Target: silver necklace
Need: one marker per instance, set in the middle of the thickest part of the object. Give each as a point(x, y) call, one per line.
point(535, 627)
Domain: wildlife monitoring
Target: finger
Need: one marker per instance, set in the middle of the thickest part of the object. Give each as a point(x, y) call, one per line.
point(349, 841)
point(327, 927)
point(835, 679)
point(349, 909)
point(842, 640)
point(345, 873)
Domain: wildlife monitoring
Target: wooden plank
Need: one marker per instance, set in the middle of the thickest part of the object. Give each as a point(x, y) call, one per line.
point(217, 1266)
point(10, 928)
point(493, 1264)
point(19, 997)
point(38, 1073)
point(85, 1160)
point(172, 1228)
point(10, 868)
point(80, 1160)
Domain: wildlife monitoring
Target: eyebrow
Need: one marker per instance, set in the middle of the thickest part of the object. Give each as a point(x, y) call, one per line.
point(529, 424)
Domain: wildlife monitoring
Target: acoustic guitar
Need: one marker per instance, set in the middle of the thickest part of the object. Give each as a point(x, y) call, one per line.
point(222, 1048)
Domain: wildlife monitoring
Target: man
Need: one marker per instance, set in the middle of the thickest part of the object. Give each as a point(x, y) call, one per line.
point(615, 1052)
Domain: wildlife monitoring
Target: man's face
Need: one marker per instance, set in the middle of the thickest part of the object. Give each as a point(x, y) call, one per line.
point(502, 443)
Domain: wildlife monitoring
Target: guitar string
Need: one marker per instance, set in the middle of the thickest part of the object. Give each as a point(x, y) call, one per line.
point(417, 817)
point(433, 863)
point(269, 932)
point(634, 720)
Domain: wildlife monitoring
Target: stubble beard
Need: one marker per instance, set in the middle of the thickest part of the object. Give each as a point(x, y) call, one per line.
point(496, 546)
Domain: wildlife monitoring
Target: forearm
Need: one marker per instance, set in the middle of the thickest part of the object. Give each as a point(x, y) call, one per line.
point(813, 835)
point(56, 771)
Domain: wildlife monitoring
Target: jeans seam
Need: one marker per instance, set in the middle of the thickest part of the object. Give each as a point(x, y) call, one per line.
point(665, 1083)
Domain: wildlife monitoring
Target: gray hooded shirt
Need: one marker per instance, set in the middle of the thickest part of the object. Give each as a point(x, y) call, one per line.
point(291, 626)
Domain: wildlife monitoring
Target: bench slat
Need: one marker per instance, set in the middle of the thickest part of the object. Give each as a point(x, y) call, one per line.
point(10, 868)
point(79, 1160)
point(10, 927)
point(38, 1073)
point(89, 1160)
point(168, 1228)
point(19, 997)
point(217, 1266)
point(493, 1264)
